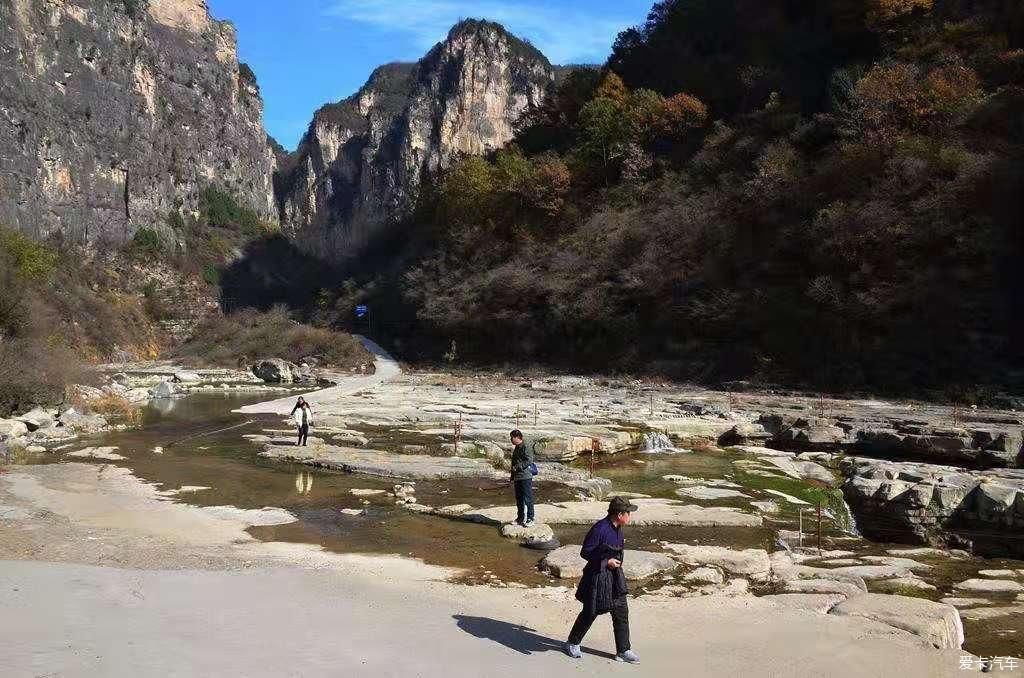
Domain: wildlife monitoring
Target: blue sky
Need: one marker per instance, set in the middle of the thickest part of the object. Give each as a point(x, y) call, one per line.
point(306, 53)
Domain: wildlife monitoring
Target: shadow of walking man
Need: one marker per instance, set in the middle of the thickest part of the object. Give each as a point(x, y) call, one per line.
point(513, 636)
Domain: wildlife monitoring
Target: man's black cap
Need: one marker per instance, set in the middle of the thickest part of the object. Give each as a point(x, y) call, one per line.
point(621, 505)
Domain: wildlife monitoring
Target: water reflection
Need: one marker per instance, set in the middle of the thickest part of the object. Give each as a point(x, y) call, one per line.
point(304, 482)
point(164, 405)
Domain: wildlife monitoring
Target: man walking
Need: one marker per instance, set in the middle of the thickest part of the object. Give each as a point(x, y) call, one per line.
point(603, 587)
point(522, 478)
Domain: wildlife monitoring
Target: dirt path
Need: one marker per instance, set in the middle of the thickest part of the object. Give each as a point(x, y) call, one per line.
point(73, 620)
point(101, 575)
point(385, 368)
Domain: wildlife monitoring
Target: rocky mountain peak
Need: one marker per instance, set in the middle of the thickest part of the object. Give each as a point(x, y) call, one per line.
point(191, 15)
point(361, 162)
point(116, 114)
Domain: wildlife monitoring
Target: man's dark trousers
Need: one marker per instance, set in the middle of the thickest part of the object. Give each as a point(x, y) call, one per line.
point(620, 624)
point(524, 499)
point(303, 434)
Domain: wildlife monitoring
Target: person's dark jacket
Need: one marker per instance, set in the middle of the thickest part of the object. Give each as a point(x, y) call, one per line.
point(522, 458)
point(601, 585)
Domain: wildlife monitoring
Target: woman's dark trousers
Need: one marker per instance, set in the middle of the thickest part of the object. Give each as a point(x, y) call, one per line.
point(303, 434)
point(620, 624)
point(524, 499)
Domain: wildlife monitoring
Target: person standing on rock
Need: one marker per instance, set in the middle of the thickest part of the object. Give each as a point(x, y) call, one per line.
point(302, 414)
point(522, 478)
point(603, 587)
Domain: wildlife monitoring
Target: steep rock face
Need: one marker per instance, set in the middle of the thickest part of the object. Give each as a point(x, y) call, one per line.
point(113, 113)
point(362, 160)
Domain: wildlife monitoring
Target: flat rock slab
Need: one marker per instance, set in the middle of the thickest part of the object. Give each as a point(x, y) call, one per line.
point(937, 623)
point(872, 571)
point(812, 602)
point(997, 573)
point(747, 561)
point(385, 465)
point(534, 534)
point(896, 562)
point(105, 453)
point(184, 489)
point(844, 588)
point(982, 613)
point(990, 586)
point(453, 510)
point(895, 585)
point(565, 563)
point(709, 493)
point(923, 551)
point(966, 602)
point(651, 512)
point(268, 515)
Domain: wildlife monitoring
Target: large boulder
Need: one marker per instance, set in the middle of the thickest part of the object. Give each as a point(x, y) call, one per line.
point(743, 433)
point(82, 423)
point(999, 446)
point(165, 389)
point(566, 563)
point(36, 419)
point(937, 623)
point(746, 561)
point(954, 448)
point(275, 371)
point(185, 377)
point(12, 428)
point(813, 435)
point(878, 440)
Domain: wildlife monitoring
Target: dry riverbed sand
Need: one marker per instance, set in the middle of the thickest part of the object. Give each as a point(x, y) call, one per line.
point(103, 575)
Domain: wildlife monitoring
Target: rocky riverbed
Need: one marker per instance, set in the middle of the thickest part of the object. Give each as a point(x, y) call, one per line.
point(729, 496)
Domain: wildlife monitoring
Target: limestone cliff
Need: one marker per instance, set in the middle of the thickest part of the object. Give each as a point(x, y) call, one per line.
point(361, 162)
point(114, 113)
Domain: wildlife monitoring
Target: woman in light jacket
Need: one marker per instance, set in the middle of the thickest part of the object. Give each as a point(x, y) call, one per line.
point(302, 414)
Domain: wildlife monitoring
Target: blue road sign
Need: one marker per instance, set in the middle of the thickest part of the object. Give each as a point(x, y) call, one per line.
point(362, 310)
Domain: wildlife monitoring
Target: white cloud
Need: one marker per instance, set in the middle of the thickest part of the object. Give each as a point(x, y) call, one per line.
point(564, 35)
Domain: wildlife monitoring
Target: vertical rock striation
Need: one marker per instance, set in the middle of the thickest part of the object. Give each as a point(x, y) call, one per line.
point(114, 113)
point(361, 162)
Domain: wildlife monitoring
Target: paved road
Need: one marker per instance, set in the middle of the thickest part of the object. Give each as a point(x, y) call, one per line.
point(385, 367)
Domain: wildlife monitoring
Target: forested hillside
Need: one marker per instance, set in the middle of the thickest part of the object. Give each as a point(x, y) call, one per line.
point(818, 193)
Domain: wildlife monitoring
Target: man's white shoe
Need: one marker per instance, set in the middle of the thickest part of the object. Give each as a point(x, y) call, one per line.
point(628, 656)
point(573, 650)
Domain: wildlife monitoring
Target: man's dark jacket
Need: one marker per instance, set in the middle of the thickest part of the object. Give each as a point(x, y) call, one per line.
point(522, 457)
point(601, 585)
